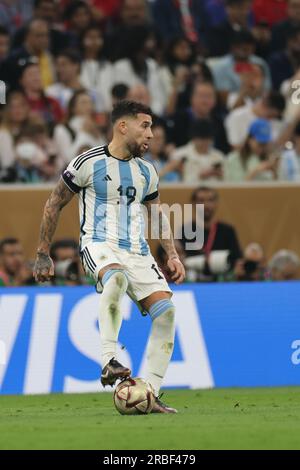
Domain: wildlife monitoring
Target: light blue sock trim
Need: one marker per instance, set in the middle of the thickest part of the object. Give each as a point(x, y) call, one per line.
point(106, 276)
point(159, 308)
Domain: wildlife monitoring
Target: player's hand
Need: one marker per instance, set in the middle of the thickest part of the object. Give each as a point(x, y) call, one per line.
point(43, 268)
point(177, 270)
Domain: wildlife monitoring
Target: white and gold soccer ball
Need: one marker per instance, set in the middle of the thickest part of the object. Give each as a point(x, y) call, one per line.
point(134, 397)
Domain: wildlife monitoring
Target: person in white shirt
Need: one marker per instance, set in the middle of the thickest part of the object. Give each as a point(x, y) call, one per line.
point(15, 116)
point(67, 68)
point(96, 70)
point(197, 160)
point(237, 123)
point(139, 68)
point(80, 129)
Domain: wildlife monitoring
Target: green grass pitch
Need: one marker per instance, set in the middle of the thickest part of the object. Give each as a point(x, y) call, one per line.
point(210, 419)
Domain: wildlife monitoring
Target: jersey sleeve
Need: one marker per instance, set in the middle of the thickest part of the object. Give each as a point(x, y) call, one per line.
point(152, 190)
point(75, 176)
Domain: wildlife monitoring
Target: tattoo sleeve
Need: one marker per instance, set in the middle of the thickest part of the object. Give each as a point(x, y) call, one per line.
point(59, 197)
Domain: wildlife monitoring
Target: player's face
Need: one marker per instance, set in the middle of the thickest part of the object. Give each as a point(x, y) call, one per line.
point(138, 134)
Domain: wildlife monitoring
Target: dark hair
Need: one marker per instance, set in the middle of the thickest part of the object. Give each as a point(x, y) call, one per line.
point(92, 27)
point(129, 108)
point(7, 241)
point(169, 53)
point(119, 91)
point(71, 104)
point(242, 37)
point(206, 189)
point(63, 243)
point(3, 31)
point(202, 129)
point(72, 8)
point(275, 100)
point(71, 55)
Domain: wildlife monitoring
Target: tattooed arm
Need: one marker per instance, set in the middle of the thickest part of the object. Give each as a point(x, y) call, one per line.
point(60, 196)
point(163, 230)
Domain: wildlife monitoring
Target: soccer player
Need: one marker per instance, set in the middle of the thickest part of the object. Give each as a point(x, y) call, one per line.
point(113, 182)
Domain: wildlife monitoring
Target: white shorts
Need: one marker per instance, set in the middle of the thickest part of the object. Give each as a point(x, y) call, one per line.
point(144, 275)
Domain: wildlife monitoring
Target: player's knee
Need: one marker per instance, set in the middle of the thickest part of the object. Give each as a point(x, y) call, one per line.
point(163, 311)
point(115, 283)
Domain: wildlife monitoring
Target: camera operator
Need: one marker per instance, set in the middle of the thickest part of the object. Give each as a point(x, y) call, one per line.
point(221, 248)
point(65, 255)
point(253, 265)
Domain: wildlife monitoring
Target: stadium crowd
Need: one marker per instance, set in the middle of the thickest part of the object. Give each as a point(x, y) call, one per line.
point(223, 80)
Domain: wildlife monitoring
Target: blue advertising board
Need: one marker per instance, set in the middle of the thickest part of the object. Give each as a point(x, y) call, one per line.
point(227, 335)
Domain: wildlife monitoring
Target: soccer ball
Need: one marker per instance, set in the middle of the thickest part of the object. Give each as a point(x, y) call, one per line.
point(134, 397)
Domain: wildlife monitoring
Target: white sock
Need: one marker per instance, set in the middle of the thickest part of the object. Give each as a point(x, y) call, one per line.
point(160, 345)
point(110, 317)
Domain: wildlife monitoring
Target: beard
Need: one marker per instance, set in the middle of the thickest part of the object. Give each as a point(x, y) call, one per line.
point(135, 149)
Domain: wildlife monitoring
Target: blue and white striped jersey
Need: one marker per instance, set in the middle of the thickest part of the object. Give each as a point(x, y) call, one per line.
point(111, 192)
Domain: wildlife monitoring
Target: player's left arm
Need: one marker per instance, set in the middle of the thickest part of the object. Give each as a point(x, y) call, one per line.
point(166, 239)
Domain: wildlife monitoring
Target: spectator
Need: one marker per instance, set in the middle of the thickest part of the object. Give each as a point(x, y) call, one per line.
point(175, 73)
point(46, 10)
point(254, 161)
point(285, 63)
point(14, 13)
point(25, 169)
point(251, 89)
point(284, 266)
point(139, 93)
point(104, 9)
point(16, 115)
point(270, 106)
point(218, 237)
point(36, 44)
point(96, 70)
point(68, 75)
point(281, 30)
point(220, 38)
point(119, 92)
point(14, 271)
point(187, 18)
point(80, 129)
point(138, 68)
point(77, 16)
point(47, 108)
point(289, 167)
point(198, 160)
point(253, 265)
point(132, 14)
point(158, 153)
point(229, 70)
point(270, 12)
point(4, 43)
point(203, 105)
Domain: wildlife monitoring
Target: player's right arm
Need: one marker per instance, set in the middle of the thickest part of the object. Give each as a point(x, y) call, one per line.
point(60, 197)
